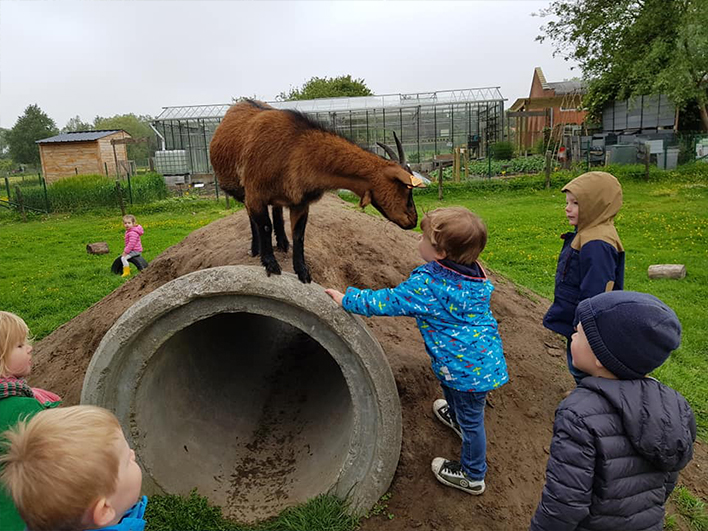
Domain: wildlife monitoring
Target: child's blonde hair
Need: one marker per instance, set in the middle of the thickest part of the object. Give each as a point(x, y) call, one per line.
point(130, 217)
point(13, 331)
point(59, 463)
point(457, 232)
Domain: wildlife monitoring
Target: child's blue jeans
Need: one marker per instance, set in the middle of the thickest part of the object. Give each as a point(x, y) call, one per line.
point(467, 409)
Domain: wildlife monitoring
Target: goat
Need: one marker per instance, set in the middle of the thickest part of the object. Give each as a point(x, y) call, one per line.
point(263, 156)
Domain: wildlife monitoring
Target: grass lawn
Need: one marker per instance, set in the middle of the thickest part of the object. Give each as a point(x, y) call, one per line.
point(47, 277)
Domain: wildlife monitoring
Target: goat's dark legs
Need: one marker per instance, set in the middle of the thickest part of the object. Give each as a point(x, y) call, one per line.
point(261, 218)
point(255, 245)
point(279, 228)
point(298, 222)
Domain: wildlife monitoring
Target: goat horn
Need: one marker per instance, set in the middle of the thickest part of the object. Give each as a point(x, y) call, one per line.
point(401, 154)
point(389, 151)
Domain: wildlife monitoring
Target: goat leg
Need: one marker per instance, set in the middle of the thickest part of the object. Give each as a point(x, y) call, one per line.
point(255, 246)
point(265, 238)
point(298, 222)
point(281, 238)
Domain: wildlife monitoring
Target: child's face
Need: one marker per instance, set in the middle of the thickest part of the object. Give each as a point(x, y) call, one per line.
point(580, 351)
point(128, 224)
point(129, 483)
point(19, 360)
point(571, 209)
point(427, 251)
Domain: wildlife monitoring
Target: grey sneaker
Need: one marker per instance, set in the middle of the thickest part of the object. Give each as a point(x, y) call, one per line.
point(450, 473)
point(442, 411)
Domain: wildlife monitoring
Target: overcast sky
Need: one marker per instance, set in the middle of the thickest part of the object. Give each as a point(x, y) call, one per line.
point(104, 58)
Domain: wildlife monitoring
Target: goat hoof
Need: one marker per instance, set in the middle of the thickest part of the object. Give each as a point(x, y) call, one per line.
point(283, 246)
point(272, 268)
point(304, 276)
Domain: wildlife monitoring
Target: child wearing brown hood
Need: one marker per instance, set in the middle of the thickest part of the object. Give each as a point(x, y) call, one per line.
point(591, 260)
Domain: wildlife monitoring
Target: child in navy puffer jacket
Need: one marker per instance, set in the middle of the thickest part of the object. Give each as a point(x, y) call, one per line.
point(592, 258)
point(450, 298)
point(620, 438)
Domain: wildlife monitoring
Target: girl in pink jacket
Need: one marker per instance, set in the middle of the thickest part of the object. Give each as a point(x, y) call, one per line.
point(133, 245)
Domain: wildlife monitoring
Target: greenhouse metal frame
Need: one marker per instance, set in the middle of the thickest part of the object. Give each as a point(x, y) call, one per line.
point(428, 124)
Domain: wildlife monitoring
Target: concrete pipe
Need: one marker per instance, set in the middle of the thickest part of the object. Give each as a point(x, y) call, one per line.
point(256, 390)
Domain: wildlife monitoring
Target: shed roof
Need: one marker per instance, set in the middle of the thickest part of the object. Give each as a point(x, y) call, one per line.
point(80, 136)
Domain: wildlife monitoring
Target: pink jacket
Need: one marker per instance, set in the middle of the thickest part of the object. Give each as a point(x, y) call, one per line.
point(132, 240)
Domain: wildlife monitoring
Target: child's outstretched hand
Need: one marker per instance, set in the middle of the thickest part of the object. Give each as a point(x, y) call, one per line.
point(337, 296)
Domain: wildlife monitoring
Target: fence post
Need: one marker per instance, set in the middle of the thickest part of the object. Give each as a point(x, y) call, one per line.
point(587, 157)
point(467, 164)
point(21, 202)
point(647, 160)
point(548, 170)
point(120, 198)
point(46, 196)
point(440, 181)
point(130, 188)
point(105, 167)
point(7, 187)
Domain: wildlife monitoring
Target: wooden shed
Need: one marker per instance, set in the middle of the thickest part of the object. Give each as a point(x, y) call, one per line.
point(83, 152)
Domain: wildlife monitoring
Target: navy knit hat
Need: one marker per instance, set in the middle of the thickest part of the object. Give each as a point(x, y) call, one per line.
point(630, 333)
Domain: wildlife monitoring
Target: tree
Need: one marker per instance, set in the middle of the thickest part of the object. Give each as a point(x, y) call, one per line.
point(137, 127)
point(76, 124)
point(33, 125)
point(632, 47)
point(324, 87)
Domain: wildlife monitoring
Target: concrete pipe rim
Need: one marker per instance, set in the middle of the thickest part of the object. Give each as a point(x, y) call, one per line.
point(128, 349)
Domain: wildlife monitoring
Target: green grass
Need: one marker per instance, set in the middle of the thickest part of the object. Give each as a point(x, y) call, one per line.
point(323, 513)
point(48, 278)
point(690, 509)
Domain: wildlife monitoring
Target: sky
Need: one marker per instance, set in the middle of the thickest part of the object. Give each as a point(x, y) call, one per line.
point(102, 58)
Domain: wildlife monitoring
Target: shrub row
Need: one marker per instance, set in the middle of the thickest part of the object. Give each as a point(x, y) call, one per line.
point(90, 191)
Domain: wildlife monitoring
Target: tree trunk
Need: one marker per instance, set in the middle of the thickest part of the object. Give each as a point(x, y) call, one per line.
point(703, 108)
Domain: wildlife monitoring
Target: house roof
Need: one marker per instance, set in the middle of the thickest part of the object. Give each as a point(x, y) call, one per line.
point(80, 136)
point(573, 86)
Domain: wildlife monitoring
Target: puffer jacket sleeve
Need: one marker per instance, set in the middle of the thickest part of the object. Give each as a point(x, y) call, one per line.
point(411, 297)
point(598, 264)
point(567, 494)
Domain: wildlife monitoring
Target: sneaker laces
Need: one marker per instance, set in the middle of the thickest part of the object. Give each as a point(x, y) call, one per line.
point(454, 467)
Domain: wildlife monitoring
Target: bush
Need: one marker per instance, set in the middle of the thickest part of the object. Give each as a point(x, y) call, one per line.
point(90, 191)
point(502, 150)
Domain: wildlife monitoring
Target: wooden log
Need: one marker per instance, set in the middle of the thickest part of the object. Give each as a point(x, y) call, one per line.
point(667, 271)
point(97, 248)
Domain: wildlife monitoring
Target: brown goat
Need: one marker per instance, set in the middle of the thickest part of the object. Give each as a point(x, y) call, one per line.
point(263, 156)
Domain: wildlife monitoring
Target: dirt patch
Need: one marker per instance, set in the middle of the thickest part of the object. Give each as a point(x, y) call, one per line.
point(347, 248)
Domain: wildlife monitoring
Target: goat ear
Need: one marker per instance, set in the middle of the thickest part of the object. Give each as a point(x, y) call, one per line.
point(365, 199)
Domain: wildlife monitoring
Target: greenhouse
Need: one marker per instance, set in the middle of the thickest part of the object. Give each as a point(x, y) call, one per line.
point(428, 124)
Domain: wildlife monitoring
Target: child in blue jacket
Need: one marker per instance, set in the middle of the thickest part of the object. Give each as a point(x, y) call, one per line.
point(592, 257)
point(450, 298)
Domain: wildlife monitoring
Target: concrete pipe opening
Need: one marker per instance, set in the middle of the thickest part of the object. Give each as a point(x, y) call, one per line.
point(256, 390)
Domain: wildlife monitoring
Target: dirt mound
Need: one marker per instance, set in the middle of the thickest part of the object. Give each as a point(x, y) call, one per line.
point(347, 248)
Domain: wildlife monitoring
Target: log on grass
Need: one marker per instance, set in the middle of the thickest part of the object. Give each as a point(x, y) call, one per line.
point(97, 248)
point(667, 271)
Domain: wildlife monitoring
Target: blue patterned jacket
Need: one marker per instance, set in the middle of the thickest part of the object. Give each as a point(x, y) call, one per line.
point(454, 317)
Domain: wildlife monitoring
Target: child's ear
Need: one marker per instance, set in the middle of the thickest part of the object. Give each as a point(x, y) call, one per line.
point(100, 514)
